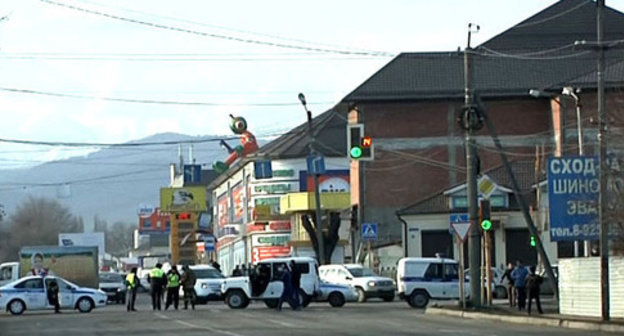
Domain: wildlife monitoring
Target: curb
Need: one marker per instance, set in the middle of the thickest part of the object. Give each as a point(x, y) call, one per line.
point(539, 321)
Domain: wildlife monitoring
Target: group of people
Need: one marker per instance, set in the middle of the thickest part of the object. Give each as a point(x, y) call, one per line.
point(161, 283)
point(521, 282)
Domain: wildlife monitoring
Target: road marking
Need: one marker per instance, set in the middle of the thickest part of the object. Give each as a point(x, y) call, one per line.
point(284, 324)
point(195, 326)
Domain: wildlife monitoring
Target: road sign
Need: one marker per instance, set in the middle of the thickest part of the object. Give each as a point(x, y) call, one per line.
point(460, 223)
point(209, 241)
point(316, 164)
point(573, 190)
point(369, 231)
point(486, 187)
point(263, 169)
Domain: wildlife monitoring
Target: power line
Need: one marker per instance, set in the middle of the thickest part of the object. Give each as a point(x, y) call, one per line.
point(148, 101)
point(127, 144)
point(220, 36)
point(529, 24)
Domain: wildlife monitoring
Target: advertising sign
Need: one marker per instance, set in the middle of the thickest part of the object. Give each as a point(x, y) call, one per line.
point(223, 210)
point(145, 210)
point(260, 253)
point(238, 197)
point(91, 239)
point(331, 181)
point(75, 263)
point(183, 199)
point(573, 190)
point(278, 239)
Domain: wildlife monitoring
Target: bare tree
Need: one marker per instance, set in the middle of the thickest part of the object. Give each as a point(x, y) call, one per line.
point(119, 239)
point(330, 237)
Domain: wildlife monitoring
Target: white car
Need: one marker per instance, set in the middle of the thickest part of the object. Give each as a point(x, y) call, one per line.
point(365, 282)
point(208, 284)
point(30, 293)
point(114, 285)
point(336, 294)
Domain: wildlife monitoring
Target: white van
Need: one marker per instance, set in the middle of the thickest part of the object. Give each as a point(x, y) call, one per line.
point(422, 279)
point(365, 282)
point(266, 284)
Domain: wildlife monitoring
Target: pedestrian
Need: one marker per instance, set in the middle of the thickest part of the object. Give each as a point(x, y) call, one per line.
point(173, 288)
point(236, 272)
point(287, 285)
point(132, 284)
point(296, 285)
point(244, 271)
point(511, 291)
point(519, 275)
point(53, 295)
point(188, 280)
point(157, 281)
point(533, 283)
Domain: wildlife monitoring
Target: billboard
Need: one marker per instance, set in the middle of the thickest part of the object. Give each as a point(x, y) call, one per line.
point(238, 198)
point(331, 181)
point(223, 211)
point(183, 199)
point(77, 264)
point(95, 239)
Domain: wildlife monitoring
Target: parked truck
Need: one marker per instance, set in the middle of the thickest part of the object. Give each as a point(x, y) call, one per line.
point(78, 264)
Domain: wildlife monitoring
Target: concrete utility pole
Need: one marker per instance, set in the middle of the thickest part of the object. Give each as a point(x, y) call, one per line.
point(318, 224)
point(471, 121)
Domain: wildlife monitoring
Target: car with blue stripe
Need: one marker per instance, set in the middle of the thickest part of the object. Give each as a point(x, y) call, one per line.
point(336, 294)
point(30, 293)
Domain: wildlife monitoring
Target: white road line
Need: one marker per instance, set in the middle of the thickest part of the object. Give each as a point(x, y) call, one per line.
point(191, 325)
point(284, 324)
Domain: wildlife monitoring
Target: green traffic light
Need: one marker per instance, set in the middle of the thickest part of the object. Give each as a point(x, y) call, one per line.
point(356, 152)
point(486, 225)
point(533, 243)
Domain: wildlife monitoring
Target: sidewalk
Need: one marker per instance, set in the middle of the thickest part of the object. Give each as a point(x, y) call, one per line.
point(500, 311)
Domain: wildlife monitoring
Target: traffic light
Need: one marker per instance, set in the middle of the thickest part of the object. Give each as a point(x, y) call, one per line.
point(533, 243)
point(484, 215)
point(359, 146)
point(183, 216)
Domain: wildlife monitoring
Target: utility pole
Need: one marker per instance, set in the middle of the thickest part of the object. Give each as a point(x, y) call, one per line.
point(470, 121)
point(317, 196)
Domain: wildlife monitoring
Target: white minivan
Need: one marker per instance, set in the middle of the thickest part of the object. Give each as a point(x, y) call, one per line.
point(366, 282)
point(422, 279)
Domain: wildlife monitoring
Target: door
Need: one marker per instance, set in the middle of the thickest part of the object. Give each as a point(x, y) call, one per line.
point(66, 296)
point(435, 280)
point(450, 288)
point(34, 293)
point(276, 286)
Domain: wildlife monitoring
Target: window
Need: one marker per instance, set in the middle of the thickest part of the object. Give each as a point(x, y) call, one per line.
point(6, 273)
point(208, 273)
point(278, 270)
point(450, 271)
point(434, 271)
point(303, 268)
point(31, 284)
point(359, 272)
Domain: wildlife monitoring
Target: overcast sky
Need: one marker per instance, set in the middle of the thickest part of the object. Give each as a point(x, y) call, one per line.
point(211, 52)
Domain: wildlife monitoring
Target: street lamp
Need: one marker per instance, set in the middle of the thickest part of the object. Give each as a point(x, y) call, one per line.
point(317, 196)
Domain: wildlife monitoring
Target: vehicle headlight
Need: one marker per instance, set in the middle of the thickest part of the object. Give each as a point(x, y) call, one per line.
point(372, 284)
point(204, 286)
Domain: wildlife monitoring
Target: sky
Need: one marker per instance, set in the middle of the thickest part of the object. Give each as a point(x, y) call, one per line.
point(199, 61)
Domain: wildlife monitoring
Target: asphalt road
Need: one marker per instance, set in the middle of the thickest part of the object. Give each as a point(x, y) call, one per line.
point(371, 318)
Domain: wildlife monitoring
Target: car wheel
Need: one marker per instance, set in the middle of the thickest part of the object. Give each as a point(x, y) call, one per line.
point(361, 294)
point(336, 299)
point(17, 307)
point(236, 299)
point(84, 305)
point(500, 292)
point(418, 299)
point(271, 303)
point(388, 298)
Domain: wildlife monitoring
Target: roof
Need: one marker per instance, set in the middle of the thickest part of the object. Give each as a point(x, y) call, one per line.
point(438, 202)
point(536, 53)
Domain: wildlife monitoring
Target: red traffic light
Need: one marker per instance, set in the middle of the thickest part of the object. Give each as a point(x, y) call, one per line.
point(183, 216)
point(367, 141)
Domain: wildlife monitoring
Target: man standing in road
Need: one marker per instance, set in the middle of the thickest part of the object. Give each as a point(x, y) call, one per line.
point(533, 283)
point(519, 275)
point(287, 291)
point(188, 285)
point(296, 285)
point(132, 284)
point(53, 295)
point(173, 288)
point(157, 281)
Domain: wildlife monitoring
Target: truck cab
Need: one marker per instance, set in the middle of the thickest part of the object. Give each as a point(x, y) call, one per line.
point(264, 283)
point(9, 272)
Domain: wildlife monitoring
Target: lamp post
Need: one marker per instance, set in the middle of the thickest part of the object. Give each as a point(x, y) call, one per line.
point(317, 196)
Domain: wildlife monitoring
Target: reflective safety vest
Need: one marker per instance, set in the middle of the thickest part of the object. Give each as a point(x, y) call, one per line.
point(173, 280)
point(157, 273)
point(130, 281)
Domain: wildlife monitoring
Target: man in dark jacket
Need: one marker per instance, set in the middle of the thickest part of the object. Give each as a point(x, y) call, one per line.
point(533, 283)
point(157, 282)
point(519, 275)
point(53, 295)
point(287, 292)
point(511, 291)
point(296, 284)
point(188, 280)
point(132, 284)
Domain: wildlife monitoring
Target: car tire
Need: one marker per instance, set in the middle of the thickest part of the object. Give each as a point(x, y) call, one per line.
point(500, 292)
point(16, 307)
point(388, 298)
point(336, 299)
point(418, 299)
point(271, 303)
point(304, 299)
point(236, 299)
point(361, 294)
point(84, 305)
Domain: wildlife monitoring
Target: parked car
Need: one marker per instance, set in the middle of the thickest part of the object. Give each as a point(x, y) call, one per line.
point(366, 282)
point(30, 293)
point(336, 294)
point(422, 279)
point(208, 285)
point(499, 290)
point(114, 285)
point(265, 283)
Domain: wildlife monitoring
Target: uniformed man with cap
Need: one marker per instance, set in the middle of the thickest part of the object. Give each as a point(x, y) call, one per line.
point(157, 282)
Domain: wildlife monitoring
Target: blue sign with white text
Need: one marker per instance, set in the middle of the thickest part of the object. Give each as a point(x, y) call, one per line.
point(573, 190)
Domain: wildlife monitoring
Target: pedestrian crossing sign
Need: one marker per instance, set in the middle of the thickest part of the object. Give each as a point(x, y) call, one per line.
point(369, 231)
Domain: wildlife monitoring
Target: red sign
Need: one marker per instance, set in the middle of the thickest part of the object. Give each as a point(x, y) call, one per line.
point(239, 207)
point(266, 252)
point(255, 228)
point(330, 182)
point(223, 217)
point(279, 226)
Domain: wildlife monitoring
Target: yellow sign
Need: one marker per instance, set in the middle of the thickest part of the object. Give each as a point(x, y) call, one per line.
point(183, 199)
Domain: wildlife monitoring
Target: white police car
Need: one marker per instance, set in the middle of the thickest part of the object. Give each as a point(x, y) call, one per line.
point(336, 294)
point(31, 293)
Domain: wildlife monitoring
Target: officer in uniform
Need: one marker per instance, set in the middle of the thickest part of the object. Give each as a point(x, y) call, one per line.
point(157, 282)
point(132, 284)
point(173, 288)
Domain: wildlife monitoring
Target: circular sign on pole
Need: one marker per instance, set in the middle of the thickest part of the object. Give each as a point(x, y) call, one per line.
point(486, 225)
point(145, 210)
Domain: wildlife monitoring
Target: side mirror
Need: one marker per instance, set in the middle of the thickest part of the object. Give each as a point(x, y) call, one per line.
point(348, 278)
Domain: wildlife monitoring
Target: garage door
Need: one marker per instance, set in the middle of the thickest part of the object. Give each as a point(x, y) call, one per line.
point(437, 242)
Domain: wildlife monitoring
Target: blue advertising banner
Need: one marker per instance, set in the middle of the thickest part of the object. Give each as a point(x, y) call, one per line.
point(573, 190)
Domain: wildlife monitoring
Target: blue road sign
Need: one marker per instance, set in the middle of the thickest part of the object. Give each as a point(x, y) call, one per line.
point(192, 173)
point(316, 164)
point(573, 190)
point(459, 218)
point(263, 169)
point(369, 231)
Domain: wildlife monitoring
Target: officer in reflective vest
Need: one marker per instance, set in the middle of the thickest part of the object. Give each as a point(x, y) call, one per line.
point(173, 287)
point(157, 283)
point(132, 284)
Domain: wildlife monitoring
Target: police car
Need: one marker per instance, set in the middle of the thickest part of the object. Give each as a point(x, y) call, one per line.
point(336, 294)
point(31, 293)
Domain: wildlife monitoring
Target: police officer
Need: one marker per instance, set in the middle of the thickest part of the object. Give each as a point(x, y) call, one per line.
point(173, 287)
point(132, 284)
point(157, 282)
point(188, 284)
point(53, 295)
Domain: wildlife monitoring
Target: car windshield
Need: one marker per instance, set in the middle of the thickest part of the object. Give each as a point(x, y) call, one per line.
point(110, 277)
point(207, 274)
point(359, 272)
